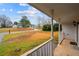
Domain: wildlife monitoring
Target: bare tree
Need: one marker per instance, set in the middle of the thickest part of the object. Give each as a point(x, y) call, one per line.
point(39, 22)
point(5, 21)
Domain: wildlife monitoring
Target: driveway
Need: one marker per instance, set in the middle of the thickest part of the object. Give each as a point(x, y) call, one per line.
point(2, 35)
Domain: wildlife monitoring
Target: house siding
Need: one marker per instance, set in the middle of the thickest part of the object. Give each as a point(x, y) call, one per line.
point(69, 31)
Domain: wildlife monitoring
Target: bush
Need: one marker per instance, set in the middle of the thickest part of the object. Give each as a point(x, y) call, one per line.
point(47, 27)
point(55, 27)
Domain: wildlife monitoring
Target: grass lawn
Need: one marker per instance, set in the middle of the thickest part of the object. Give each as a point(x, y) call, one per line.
point(22, 42)
point(56, 37)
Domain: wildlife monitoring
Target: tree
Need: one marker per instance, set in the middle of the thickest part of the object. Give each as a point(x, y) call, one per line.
point(5, 21)
point(47, 27)
point(25, 22)
point(15, 23)
point(43, 20)
point(9, 23)
point(56, 27)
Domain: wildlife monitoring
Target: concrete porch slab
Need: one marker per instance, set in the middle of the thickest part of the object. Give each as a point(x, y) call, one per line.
point(66, 49)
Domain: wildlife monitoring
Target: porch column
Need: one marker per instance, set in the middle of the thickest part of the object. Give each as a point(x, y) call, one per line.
point(59, 33)
point(52, 38)
point(77, 34)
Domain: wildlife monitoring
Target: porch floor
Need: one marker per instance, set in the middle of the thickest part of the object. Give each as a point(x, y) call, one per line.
point(66, 49)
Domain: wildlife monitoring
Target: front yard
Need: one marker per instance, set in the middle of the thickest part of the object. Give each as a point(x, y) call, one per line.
point(19, 43)
point(14, 29)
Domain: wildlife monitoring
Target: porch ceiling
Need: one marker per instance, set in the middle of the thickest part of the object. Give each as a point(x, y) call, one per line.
point(68, 12)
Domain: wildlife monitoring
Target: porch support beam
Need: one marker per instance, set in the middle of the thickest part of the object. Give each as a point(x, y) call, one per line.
point(77, 34)
point(52, 37)
point(59, 33)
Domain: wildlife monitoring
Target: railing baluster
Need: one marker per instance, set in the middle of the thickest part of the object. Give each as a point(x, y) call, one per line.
point(35, 53)
point(50, 48)
point(39, 51)
point(47, 49)
point(42, 50)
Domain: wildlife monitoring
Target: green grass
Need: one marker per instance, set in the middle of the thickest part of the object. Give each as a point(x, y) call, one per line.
point(23, 41)
point(7, 37)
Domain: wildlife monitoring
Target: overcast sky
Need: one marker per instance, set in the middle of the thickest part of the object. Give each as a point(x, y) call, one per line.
point(16, 10)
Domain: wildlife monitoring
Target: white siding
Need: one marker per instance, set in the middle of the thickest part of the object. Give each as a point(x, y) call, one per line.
point(60, 37)
point(69, 30)
point(78, 35)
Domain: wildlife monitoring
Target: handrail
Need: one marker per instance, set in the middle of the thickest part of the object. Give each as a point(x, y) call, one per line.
point(34, 49)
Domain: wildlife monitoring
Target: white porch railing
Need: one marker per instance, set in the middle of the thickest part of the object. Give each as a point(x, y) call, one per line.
point(41, 50)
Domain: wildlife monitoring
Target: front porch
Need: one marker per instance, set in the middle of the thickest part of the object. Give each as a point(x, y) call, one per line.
point(66, 15)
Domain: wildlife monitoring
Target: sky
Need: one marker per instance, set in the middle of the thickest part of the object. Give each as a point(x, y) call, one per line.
point(16, 10)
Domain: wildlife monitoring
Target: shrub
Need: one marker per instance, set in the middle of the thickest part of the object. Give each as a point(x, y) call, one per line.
point(46, 27)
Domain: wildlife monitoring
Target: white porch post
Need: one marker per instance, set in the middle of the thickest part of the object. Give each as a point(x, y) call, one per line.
point(59, 33)
point(52, 38)
point(77, 32)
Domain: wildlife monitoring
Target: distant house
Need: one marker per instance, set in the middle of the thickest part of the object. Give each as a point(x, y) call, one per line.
point(14, 26)
point(17, 26)
point(32, 26)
